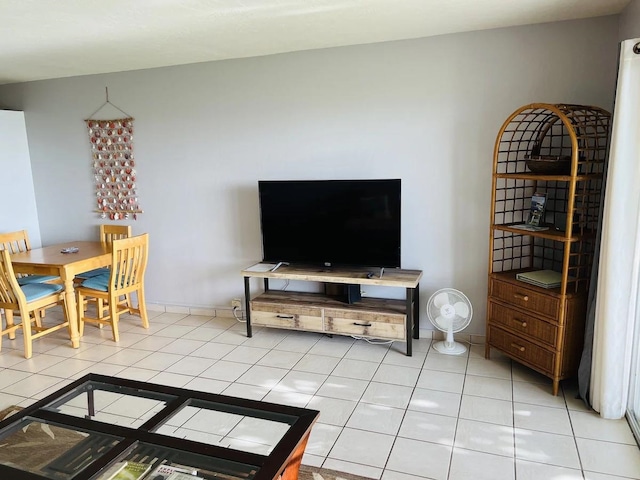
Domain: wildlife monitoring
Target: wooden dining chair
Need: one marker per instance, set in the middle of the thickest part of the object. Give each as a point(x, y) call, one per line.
point(126, 276)
point(29, 300)
point(16, 242)
point(108, 233)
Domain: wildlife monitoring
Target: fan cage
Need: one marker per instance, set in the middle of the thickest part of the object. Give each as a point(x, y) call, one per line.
point(578, 133)
point(458, 323)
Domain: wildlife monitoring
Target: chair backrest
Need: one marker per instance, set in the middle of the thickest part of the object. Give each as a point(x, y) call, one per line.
point(15, 241)
point(129, 262)
point(10, 291)
point(109, 233)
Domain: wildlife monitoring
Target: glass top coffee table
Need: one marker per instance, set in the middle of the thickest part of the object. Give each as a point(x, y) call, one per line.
point(100, 425)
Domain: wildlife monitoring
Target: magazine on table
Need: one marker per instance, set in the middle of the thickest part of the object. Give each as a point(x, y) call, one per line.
point(182, 476)
point(112, 471)
point(173, 472)
point(132, 471)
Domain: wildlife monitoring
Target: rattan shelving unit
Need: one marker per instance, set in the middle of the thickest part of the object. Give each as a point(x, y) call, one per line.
point(539, 327)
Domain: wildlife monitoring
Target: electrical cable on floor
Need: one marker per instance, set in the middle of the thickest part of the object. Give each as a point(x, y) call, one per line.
point(373, 342)
point(235, 315)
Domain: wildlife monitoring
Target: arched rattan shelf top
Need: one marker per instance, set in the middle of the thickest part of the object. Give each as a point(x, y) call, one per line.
point(574, 134)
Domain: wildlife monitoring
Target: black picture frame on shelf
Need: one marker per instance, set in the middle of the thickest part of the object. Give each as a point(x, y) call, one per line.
point(536, 211)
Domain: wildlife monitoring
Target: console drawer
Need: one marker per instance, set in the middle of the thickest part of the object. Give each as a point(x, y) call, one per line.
point(521, 296)
point(542, 331)
point(519, 348)
point(368, 324)
point(286, 316)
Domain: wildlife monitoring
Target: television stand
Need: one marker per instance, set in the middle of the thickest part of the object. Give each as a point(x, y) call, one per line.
point(389, 319)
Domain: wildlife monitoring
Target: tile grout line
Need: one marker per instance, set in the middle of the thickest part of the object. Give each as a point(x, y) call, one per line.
point(573, 432)
point(455, 431)
point(342, 428)
point(406, 409)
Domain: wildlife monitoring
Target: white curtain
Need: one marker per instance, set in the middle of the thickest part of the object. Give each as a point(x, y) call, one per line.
point(618, 292)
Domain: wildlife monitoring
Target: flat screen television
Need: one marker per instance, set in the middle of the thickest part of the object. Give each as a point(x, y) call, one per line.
point(331, 222)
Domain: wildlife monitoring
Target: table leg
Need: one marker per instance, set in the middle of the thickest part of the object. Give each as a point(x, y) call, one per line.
point(8, 315)
point(70, 307)
point(409, 320)
point(416, 312)
point(247, 305)
point(292, 468)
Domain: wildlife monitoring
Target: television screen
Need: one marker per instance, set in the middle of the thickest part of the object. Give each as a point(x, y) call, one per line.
point(331, 222)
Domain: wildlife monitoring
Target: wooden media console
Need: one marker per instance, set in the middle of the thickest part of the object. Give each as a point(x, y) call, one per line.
point(389, 319)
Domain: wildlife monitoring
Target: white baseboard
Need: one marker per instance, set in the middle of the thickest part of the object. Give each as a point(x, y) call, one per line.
point(155, 307)
point(199, 311)
point(471, 338)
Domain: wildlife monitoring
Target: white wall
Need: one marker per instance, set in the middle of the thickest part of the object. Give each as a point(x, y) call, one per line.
point(426, 111)
point(17, 196)
point(630, 21)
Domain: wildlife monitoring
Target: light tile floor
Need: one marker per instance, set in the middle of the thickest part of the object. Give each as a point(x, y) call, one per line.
point(383, 415)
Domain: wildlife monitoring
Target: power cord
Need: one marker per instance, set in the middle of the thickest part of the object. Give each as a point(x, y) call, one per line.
point(235, 315)
point(373, 342)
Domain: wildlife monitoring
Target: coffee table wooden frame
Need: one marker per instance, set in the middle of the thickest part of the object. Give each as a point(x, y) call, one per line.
point(284, 460)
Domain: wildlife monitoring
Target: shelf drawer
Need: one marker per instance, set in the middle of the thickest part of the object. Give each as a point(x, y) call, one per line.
point(521, 296)
point(286, 316)
point(519, 348)
point(524, 324)
point(367, 324)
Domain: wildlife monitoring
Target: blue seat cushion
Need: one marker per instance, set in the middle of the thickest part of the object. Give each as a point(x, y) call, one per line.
point(37, 279)
point(99, 282)
point(94, 273)
point(35, 291)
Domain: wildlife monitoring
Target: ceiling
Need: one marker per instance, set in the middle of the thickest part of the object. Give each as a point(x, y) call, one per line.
point(42, 39)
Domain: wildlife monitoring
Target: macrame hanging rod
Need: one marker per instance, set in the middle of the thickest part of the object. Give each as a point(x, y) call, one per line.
point(107, 102)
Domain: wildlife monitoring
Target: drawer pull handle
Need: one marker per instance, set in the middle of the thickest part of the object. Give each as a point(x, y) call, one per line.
point(519, 347)
point(522, 297)
point(522, 324)
point(289, 317)
point(362, 324)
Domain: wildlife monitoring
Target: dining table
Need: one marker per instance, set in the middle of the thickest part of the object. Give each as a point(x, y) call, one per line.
point(66, 262)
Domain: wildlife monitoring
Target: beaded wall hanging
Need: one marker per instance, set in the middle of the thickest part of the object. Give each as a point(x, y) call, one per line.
point(114, 166)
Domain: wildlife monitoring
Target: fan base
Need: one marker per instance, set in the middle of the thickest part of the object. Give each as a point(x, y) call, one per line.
point(450, 349)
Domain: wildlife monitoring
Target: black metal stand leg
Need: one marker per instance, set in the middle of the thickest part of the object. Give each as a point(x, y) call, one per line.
point(409, 325)
point(266, 284)
point(247, 299)
point(416, 312)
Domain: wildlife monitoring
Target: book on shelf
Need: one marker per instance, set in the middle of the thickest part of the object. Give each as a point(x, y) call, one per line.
point(542, 278)
point(132, 471)
point(535, 221)
point(536, 211)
